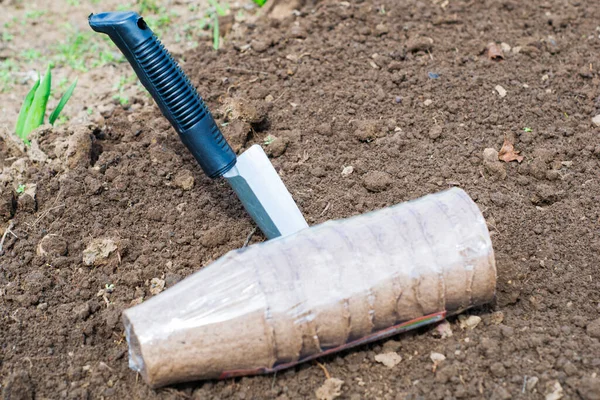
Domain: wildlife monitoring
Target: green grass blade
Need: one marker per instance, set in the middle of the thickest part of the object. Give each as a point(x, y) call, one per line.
point(25, 109)
point(35, 117)
point(62, 102)
point(216, 32)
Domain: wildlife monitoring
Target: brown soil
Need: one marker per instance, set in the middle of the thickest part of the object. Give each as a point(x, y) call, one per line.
point(402, 92)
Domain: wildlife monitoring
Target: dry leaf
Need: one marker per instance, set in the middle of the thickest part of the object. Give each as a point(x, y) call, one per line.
point(508, 153)
point(331, 389)
point(494, 52)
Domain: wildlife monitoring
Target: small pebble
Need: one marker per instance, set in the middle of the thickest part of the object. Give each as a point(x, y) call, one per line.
point(501, 91)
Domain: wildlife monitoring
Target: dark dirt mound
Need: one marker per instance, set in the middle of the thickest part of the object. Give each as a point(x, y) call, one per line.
point(402, 92)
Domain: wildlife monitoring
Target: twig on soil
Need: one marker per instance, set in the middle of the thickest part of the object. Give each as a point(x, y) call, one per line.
point(327, 375)
point(325, 209)
point(249, 237)
point(46, 212)
point(280, 96)
point(6, 232)
point(248, 71)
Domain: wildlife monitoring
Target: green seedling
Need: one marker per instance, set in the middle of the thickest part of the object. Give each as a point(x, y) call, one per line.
point(260, 3)
point(527, 129)
point(268, 140)
point(216, 34)
point(84, 50)
point(34, 106)
point(63, 102)
point(215, 11)
point(21, 189)
point(7, 78)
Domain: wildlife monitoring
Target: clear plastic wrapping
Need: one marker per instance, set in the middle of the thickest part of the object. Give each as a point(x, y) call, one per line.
point(329, 287)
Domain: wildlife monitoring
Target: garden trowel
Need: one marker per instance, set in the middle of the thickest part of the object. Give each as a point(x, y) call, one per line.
point(251, 175)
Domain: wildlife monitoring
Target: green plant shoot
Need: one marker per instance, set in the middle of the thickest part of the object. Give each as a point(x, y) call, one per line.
point(21, 189)
point(216, 31)
point(260, 3)
point(25, 110)
point(34, 106)
point(35, 116)
point(62, 102)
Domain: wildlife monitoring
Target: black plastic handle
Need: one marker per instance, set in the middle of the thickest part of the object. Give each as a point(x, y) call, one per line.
point(170, 87)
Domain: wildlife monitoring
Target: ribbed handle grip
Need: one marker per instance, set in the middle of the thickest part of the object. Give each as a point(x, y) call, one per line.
point(170, 87)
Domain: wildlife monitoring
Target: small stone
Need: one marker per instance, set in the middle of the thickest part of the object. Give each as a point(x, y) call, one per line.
point(83, 311)
point(435, 132)
point(377, 181)
point(214, 237)
point(589, 388)
point(330, 390)
point(505, 47)
point(79, 148)
point(501, 91)
point(554, 391)
point(99, 251)
point(298, 32)
point(443, 330)
point(497, 318)
point(490, 155)
point(496, 169)
point(427, 102)
point(277, 146)
point(52, 245)
point(596, 120)
point(252, 112)
point(420, 43)
point(324, 129)
point(347, 170)
point(237, 133)
point(369, 130)
point(184, 180)
point(390, 359)
point(593, 328)
point(157, 285)
point(437, 358)
point(469, 322)
point(398, 99)
point(498, 370)
point(531, 383)
point(260, 46)
point(382, 29)
point(269, 98)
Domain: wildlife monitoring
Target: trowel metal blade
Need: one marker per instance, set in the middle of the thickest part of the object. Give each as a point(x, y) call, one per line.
point(264, 195)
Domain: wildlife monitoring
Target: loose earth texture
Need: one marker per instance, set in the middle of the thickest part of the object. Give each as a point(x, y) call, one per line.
point(406, 94)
